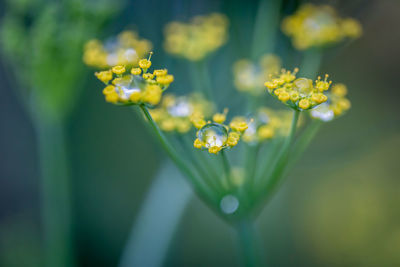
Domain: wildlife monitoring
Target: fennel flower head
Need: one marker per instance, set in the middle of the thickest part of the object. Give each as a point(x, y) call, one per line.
point(302, 93)
point(135, 86)
point(124, 49)
point(214, 135)
point(249, 77)
point(198, 38)
point(318, 26)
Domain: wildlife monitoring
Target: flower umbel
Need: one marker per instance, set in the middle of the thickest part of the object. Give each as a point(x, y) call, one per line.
point(198, 38)
point(298, 93)
point(316, 26)
point(131, 87)
point(249, 77)
point(125, 49)
point(215, 135)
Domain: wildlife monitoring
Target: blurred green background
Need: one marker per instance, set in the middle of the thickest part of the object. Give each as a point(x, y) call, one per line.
point(339, 206)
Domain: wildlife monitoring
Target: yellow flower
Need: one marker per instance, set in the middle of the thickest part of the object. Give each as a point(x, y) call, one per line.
point(124, 49)
point(336, 105)
point(118, 69)
point(249, 77)
point(165, 80)
point(144, 63)
point(128, 88)
point(136, 71)
point(217, 136)
point(162, 72)
point(317, 26)
point(298, 93)
point(198, 38)
point(104, 76)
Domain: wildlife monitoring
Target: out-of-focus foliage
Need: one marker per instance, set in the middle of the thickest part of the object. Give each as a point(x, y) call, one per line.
point(43, 42)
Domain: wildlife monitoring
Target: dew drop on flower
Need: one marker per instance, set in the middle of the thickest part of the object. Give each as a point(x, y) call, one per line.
point(181, 108)
point(303, 86)
point(213, 134)
point(126, 86)
point(323, 112)
point(229, 204)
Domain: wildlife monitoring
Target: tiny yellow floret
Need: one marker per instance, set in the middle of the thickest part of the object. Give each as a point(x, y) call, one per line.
point(119, 69)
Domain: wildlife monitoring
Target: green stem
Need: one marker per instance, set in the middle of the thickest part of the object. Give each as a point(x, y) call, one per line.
point(207, 177)
point(304, 140)
point(227, 169)
point(311, 62)
point(265, 27)
point(251, 165)
point(281, 163)
point(199, 187)
point(248, 244)
point(55, 191)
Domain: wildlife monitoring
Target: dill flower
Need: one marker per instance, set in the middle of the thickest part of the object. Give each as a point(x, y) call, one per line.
point(125, 49)
point(316, 26)
point(215, 135)
point(198, 38)
point(336, 105)
point(126, 86)
point(174, 113)
point(249, 77)
point(298, 93)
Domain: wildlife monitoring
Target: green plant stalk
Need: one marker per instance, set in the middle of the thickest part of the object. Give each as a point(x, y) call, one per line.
point(281, 164)
point(303, 141)
point(55, 194)
point(227, 169)
point(251, 166)
point(265, 27)
point(199, 187)
point(207, 177)
point(248, 244)
point(311, 62)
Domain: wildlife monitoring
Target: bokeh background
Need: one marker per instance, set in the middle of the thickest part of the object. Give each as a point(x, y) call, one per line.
point(339, 206)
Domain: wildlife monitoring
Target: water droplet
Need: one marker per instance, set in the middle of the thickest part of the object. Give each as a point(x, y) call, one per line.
point(229, 204)
point(181, 108)
point(126, 86)
point(213, 134)
point(323, 112)
point(303, 86)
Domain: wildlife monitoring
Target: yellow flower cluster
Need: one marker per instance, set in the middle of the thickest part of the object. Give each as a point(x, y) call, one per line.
point(249, 77)
point(135, 87)
point(174, 113)
point(125, 49)
point(215, 135)
point(198, 38)
point(298, 93)
point(267, 124)
point(316, 26)
point(336, 105)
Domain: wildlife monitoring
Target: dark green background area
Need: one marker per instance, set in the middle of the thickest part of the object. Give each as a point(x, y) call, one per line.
point(339, 206)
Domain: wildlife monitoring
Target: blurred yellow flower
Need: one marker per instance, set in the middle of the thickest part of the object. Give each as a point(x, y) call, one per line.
point(174, 113)
point(336, 105)
point(125, 49)
point(249, 77)
point(198, 38)
point(316, 26)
